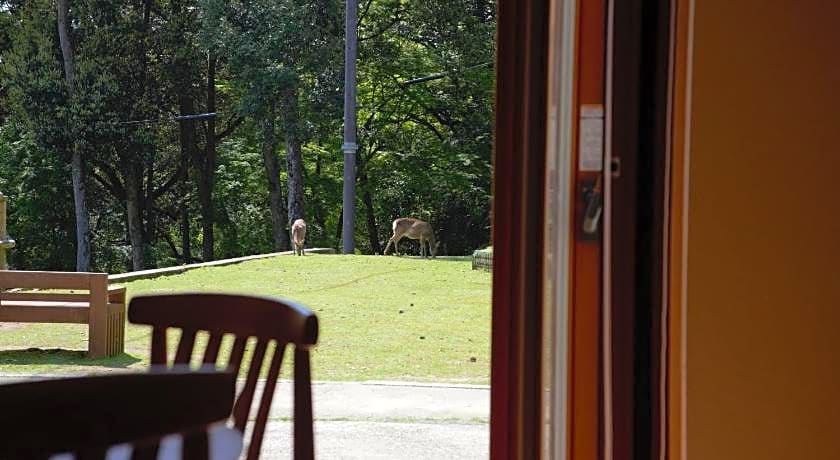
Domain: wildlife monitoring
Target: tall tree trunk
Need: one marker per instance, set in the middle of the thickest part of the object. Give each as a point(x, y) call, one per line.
point(147, 215)
point(187, 147)
point(373, 231)
point(207, 169)
point(229, 233)
point(186, 243)
point(76, 163)
point(134, 192)
point(275, 194)
point(339, 229)
point(317, 209)
point(138, 189)
point(294, 160)
point(82, 218)
point(186, 132)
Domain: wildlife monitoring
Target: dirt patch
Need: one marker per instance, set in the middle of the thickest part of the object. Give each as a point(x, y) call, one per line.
point(11, 326)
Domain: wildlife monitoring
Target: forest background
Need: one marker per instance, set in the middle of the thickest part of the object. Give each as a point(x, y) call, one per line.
point(102, 175)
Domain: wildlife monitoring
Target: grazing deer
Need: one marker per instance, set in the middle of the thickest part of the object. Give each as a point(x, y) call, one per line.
point(414, 229)
point(298, 236)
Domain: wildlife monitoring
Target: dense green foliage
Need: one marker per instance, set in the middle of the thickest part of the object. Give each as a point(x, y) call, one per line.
point(167, 192)
point(410, 319)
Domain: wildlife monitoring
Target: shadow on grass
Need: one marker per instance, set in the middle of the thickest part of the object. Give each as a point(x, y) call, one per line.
point(58, 356)
point(438, 258)
point(356, 280)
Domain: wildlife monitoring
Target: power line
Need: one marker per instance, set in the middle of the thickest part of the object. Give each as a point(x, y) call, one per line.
point(439, 75)
point(198, 116)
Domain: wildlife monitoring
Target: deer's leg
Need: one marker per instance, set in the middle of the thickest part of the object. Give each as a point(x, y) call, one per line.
point(422, 248)
point(397, 246)
point(387, 246)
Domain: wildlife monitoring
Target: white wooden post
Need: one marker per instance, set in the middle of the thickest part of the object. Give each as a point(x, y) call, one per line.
point(5, 242)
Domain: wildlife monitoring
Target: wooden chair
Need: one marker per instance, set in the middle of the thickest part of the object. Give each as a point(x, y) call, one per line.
point(86, 415)
point(267, 319)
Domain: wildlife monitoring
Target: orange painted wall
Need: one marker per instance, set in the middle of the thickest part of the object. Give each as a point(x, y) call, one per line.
point(763, 266)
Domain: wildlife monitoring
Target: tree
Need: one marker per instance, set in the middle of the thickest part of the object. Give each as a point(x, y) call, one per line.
point(277, 51)
point(76, 162)
point(158, 189)
point(425, 147)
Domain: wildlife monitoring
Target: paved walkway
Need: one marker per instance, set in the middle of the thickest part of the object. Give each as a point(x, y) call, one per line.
point(382, 420)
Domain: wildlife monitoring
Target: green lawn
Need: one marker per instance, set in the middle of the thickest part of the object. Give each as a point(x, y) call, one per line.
point(381, 318)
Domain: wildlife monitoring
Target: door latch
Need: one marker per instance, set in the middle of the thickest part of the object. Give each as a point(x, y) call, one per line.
point(593, 201)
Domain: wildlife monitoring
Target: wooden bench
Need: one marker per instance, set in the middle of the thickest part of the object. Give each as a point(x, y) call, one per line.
point(101, 308)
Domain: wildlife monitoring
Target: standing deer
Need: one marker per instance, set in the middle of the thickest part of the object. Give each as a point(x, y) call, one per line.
point(414, 229)
point(298, 236)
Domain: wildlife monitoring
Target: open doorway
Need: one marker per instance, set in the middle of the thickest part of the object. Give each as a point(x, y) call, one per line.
point(211, 129)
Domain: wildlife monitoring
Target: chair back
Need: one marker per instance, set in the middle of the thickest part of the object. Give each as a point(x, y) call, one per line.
point(87, 415)
point(243, 317)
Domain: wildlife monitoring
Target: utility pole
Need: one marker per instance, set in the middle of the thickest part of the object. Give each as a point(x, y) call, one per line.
point(349, 147)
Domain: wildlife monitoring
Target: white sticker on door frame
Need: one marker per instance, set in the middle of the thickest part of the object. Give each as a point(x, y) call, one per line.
point(591, 150)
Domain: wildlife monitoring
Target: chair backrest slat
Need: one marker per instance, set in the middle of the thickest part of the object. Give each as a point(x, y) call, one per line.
point(159, 345)
point(145, 452)
point(211, 353)
point(243, 404)
point(265, 400)
point(263, 318)
point(185, 346)
point(196, 446)
point(304, 438)
point(236, 354)
point(96, 453)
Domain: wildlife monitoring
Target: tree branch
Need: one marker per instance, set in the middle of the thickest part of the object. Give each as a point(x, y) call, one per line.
point(169, 182)
point(166, 213)
point(364, 13)
point(373, 151)
point(232, 123)
point(107, 185)
point(114, 184)
point(427, 125)
point(397, 19)
point(168, 238)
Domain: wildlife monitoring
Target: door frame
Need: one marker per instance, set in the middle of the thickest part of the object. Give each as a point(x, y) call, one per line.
point(536, 406)
point(636, 223)
point(518, 215)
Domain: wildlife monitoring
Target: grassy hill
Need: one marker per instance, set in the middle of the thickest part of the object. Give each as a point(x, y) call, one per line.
point(381, 318)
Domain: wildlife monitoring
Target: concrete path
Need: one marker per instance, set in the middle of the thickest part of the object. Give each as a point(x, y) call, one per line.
point(381, 420)
point(385, 441)
point(387, 420)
